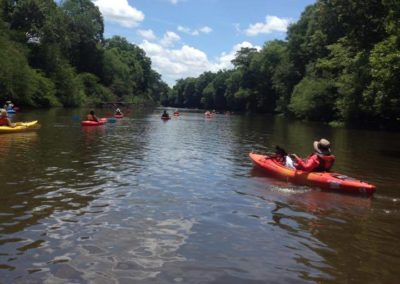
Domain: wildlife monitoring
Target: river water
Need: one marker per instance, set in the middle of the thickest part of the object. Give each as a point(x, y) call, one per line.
point(147, 201)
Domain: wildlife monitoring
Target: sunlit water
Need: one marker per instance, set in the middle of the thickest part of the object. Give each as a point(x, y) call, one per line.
point(147, 201)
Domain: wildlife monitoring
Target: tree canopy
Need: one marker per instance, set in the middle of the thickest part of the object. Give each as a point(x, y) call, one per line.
point(55, 55)
point(339, 63)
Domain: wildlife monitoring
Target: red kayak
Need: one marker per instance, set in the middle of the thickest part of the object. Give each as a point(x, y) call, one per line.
point(118, 115)
point(165, 118)
point(94, 123)
point(325, 180)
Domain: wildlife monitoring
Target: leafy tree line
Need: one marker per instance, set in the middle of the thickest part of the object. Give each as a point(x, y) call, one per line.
point(52, 55)
point(340, 63)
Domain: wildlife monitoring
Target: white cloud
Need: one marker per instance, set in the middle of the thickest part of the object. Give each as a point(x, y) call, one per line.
point(187, 61)
point(120, 12)
point(195, 32)
point(169, 39)
point(205, 30)
point(271, 24)
point(147, 34)
point(224, 60)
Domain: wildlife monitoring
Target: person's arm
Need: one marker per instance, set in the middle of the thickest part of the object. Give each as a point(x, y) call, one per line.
point(95, 118)
point(308, 165)
point(9, 123)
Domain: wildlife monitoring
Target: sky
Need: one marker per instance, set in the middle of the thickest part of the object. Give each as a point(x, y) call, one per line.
point(185, 38)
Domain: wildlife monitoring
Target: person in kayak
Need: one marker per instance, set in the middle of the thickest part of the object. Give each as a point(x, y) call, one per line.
point(320, 161)
point(4, 120)
point(92, 117)
point(8, 105)
point(118, 111)
point(165, 114)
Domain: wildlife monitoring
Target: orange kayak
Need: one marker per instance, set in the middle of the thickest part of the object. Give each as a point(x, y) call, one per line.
point(325, 180)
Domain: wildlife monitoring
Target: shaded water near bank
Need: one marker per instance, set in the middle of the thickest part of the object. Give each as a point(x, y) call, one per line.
point(147, 201)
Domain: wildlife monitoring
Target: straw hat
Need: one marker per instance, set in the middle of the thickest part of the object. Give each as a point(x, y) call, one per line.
point(3, 112)
point(322, 146)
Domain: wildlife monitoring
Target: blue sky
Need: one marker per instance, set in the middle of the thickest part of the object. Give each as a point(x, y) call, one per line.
point(184, 38)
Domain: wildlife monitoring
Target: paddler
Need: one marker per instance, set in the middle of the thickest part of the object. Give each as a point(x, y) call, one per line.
point(4, 120)
point(320, 161)
point(165, 114)
point(92, 117)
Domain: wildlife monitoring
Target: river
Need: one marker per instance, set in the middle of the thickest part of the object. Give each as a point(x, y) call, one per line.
point(143, 200)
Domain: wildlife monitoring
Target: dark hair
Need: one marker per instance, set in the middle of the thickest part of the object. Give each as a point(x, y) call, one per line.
point(92, 112)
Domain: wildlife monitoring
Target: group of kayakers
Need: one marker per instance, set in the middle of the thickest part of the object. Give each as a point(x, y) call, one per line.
point(320, 160)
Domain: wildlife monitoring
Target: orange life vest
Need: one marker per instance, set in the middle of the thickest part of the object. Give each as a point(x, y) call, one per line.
point(325, 162)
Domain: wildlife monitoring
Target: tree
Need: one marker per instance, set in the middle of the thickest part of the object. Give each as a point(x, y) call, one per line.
point(313, 99)
point(85, 29)
point(383, 92)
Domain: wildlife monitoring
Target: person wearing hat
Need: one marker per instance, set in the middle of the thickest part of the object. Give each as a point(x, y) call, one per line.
point(118, 111)
point(320, 161)
point(4, 120)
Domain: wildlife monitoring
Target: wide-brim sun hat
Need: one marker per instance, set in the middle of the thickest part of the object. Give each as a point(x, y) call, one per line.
point(3, 112)
point(322, 146)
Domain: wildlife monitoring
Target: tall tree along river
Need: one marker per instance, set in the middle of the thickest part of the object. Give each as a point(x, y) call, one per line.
point(147, 201)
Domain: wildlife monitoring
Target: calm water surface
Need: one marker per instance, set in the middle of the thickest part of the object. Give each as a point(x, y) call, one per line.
point(147, 201)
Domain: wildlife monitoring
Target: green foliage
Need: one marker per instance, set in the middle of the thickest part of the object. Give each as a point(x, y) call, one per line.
point(340, 63)
point(52, 55)
point(69, 88)
point(94, 91)
point(313, 99)
point(127, 71)
point(44, 91)
point(383, 91)
point(85, 27)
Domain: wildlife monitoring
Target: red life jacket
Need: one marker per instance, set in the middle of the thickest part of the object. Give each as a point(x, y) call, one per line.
point(3, 121)
point(325, 162)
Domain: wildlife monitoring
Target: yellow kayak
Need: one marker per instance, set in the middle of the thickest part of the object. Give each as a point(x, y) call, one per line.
point(20, 126)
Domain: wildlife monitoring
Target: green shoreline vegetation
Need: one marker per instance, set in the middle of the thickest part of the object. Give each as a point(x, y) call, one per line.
point(340, 64)
point(55, 55)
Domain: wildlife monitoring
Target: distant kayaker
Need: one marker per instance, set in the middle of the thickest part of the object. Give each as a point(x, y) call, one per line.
point(92, 117)
point(118, 111)
point(165, 114)
point(320, 161)
point(4, 120)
